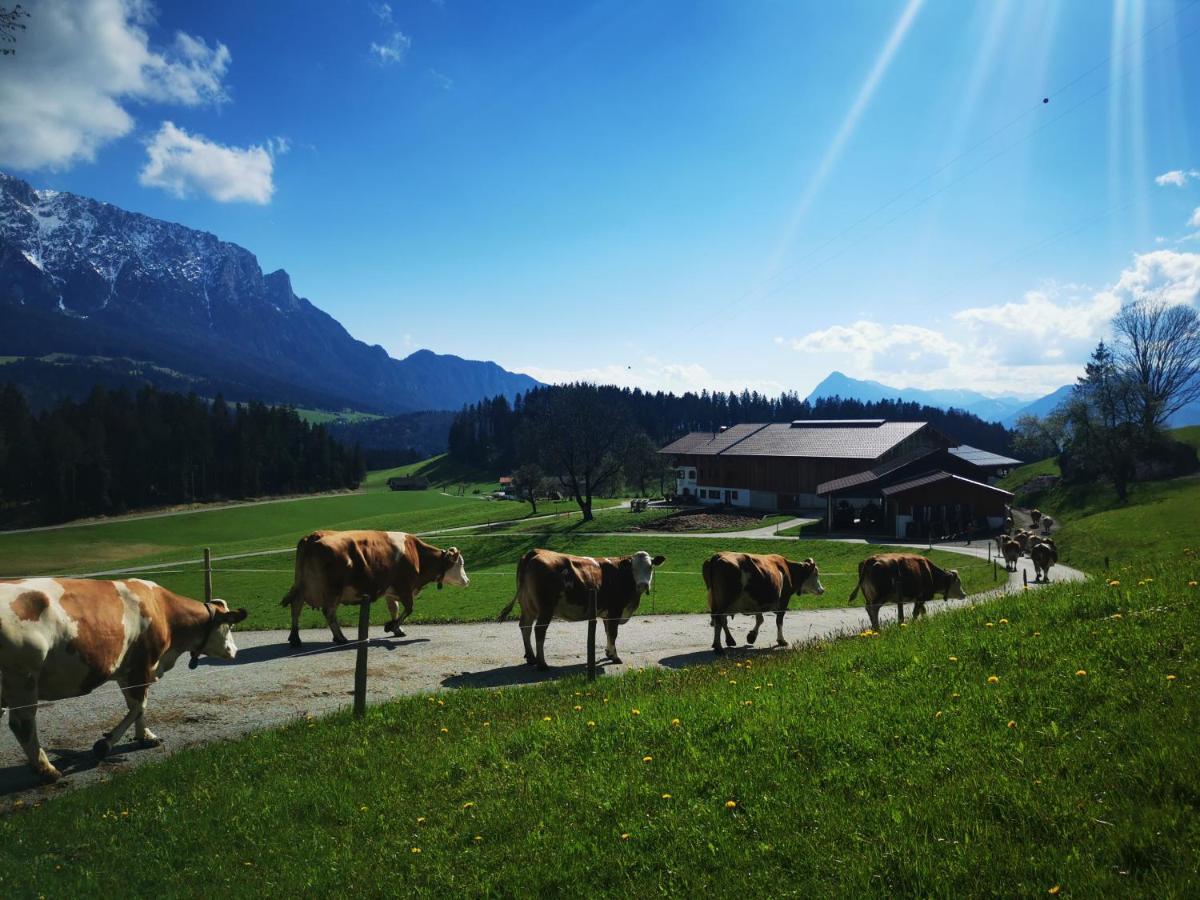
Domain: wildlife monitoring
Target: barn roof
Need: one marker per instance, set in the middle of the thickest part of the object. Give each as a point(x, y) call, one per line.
point(935, 478)
point(982, 458)
point(836, 439)
point(875, 473)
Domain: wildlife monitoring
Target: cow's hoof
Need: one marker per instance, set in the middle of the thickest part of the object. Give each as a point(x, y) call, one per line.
point(49, 774)
point(149, 742)
point(780, 642)
point(613, 658)
point(101, 748)
point(341, 640)
point(295, 641)
point(751, 638)
point(730, 642)
point(542, 667)
point(718, 649)
point(530, 661)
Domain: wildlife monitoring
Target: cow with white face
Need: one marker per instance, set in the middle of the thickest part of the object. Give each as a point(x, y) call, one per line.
point(64, 637)
point(754, 584)
point(553, 584)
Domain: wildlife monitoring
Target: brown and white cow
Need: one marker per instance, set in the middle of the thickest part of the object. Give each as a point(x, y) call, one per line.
point(1022, 538)
point(334, 567)
point(64, 637)
point(1047, 524)
point(1044, 553)
point(1035, 516)
point(903, 576)
point(754, 584)
point(1012, 553)
point(553, 584)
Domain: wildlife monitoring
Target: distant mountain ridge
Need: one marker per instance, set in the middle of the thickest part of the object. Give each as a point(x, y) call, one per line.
point(85, 278)
point(1003, 409)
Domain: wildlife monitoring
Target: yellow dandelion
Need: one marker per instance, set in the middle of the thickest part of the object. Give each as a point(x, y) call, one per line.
point(636, 712)
point(441, 703)
point(416, 849)
point(758, 687)
point(953, 659)
point(1170, 678)
point(903, 624)
point(733, 681)
point(625, 836)
point(747, 703)
point(468, 804)
point(1054, 890)
point(444, 730)
point(955, 695)
point(578, 708)
point(647, 759)
point(1012, 724)
point(478, 838)
point(666, 796)
point(430, 699)
point(770, 684)
point(487, 723)
point(989, 624)
point(547, 719)
point(675, 722)
point(938, 714)
point(420, 820)
point(1115, 616)
point(730, 804)
point(737, 665)
point(363, 808)
point(1037, 634)
point(1191, 584)
point(591, 724)
point(993, 679)
point(1004, 621)
point(1081, 672)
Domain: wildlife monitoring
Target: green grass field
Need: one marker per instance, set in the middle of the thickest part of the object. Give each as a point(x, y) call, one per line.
point(491, 564)
point(443, 473)
point(241, 529)
point(1041, 742)
point(325, 416)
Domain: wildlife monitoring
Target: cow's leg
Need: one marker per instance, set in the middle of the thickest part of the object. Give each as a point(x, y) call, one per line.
point(728, 634)
point(397, 618)
point(21, 696)
point(918, 609)
point(873, 608)
point(899, 609)
point(294, 636)
point(779, 641)
point(526, 626)
point(717, 622)
point(610, 648)
point(539, 630)
point(752, 634)
point(334, 627)
point(134, 689)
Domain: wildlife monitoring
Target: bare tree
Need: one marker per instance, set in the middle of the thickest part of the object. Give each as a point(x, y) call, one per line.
point(10, 24)
point(1158, 345)
point(581, 437)
point(528, 483)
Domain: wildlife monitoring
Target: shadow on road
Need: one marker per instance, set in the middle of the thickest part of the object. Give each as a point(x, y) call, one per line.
point(284, 650)
point(522, 673)
point(706, 656)
point(68, 760)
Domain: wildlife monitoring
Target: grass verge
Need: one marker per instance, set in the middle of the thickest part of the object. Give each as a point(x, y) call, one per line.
point(1043, 740)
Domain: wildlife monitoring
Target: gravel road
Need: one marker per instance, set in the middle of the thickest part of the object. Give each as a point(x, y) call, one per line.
point(270, 684)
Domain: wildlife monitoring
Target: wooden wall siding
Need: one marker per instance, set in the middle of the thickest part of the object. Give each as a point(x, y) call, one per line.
point(921, 440)
point(984, 503)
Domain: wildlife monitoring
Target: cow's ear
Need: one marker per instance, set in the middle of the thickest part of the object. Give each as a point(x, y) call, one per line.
point(453, 551)
point(232, 617)
point(658, 560)
point(809, 561)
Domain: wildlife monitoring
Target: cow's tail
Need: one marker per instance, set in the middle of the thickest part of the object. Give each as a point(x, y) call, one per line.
point(296, 591)
point(513, 602)
point(862, 574)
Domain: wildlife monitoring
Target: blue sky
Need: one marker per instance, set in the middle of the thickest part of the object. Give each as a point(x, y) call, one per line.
point(671, 194)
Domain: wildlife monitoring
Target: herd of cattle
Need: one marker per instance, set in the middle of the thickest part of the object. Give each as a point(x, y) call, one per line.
point(1036, 543)
point(63, 637)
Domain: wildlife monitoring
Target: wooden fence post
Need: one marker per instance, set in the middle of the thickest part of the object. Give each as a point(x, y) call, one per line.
point(360, 662)
point(208, 575)
point(1025, 577)
point(995, 575)
point(591, 636)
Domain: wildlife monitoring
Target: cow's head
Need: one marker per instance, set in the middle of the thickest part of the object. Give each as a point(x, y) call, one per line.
point(954, 588)
point(218, 640)
point(642, 566)
point(805, 577)
point(454, 568)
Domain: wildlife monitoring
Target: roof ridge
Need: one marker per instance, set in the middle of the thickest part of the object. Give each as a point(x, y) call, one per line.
point(744, 437)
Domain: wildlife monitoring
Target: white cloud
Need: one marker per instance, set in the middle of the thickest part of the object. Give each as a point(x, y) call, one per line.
point(650, 374)
point(445, 82)
point(79, 64)
point(1194, 221)
point(382, 10)
point(393, 50)
point(1031, 345)
point(1176, 177)
point(183, 163)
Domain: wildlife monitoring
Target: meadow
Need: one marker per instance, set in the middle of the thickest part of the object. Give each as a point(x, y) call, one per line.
point(1042, 742)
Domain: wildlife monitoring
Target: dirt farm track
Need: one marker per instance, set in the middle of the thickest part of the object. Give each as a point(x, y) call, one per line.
point(269, 683)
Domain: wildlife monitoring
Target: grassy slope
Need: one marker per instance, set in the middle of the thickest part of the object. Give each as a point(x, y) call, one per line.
point(325, 416)
point(128, 542)
point(872, 766)
point(442, 472)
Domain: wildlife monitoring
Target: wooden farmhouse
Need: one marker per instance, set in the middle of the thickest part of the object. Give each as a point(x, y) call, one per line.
point(904, 479)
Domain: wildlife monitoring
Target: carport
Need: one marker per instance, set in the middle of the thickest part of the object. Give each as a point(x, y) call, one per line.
point(943, 505)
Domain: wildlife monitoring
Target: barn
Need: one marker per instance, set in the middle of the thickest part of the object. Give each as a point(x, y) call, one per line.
point(842, 467)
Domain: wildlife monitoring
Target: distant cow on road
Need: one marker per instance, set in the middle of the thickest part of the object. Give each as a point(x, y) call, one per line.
point(1012, 553)
point(754, 584)
point(334, 567)
point(64, 637)
point(1044, 553)
point(903, 576)
point(553, 584)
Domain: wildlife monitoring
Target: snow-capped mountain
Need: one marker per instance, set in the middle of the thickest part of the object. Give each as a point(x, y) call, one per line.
point(82, 277)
